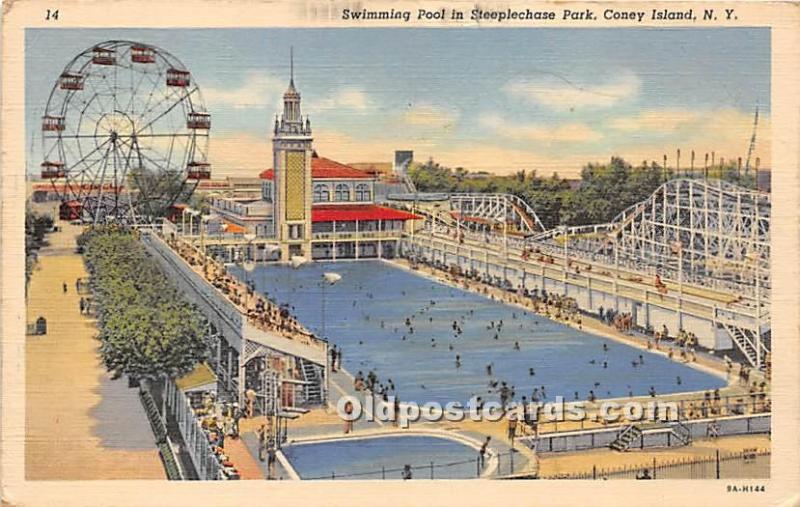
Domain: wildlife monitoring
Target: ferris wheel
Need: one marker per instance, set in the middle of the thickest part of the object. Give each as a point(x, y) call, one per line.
point(124, 134)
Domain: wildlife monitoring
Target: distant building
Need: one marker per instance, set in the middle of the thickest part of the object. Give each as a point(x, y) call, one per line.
point(403, 160)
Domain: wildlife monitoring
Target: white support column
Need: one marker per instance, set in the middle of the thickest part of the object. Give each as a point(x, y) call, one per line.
point(680, 285)
point(230, 367)
point(333, 245)
point(616, 275)
point(357, 240)
point(380, 241)
point(241, 375)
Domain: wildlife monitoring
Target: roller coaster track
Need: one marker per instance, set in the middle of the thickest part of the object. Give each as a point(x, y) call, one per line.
point(499, 208)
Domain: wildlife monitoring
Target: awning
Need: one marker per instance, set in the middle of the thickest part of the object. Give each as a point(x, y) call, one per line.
point(360, 212)
point(198, 378)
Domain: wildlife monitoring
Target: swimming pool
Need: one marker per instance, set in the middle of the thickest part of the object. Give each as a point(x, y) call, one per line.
point(366, 314)
point(383, 457)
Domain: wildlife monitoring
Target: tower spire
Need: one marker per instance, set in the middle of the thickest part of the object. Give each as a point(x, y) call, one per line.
point(292, 119)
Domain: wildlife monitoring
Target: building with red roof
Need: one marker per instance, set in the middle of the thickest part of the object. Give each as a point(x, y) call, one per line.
point(311, 206)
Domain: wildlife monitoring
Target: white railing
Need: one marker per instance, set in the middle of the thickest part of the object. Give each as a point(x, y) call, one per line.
point(358, 235)
point(194, 436)
point(209, 294)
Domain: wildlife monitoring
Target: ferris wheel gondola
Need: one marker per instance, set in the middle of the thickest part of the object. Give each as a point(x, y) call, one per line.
point(125, 133)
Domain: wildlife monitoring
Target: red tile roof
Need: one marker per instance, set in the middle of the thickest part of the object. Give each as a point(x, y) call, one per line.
point(325, 168)
point(233, 228)
point(353, 212)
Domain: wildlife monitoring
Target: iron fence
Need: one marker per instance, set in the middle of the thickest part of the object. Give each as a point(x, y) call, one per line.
point(508, 462)
point(746, 464)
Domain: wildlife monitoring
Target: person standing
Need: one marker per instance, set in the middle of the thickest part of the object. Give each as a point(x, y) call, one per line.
point(64, 287)
point(482, 452)
point(250, 396)
point(348, 423)
point(271, 459)
point(512, 427)
point(333, 359)
point(261, 432)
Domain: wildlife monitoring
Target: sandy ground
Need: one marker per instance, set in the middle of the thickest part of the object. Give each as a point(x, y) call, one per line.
point(79, 425)
point(582, 462)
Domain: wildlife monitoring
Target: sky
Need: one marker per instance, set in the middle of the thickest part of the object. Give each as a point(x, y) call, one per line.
point(490, 99)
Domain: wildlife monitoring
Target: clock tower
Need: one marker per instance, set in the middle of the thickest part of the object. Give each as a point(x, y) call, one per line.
point(292, 151)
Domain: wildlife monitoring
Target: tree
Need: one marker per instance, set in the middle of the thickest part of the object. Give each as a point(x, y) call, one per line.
point(147, 330)
point(603, 191)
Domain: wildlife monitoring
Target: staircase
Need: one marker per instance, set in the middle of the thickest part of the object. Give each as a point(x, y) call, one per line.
point(313, 377)
point(745, 340)
point(681, 432)
point(629, 434)
point(272, 391)
point(169, 462)
point(150, 409)
point(410, 187)
point(160, 432)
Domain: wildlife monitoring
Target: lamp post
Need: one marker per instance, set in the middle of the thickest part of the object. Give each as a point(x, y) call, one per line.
point(755, 257)
point(203, 224)
point(563, 230)
point(248, 265)
point(327, 278)
point(677, 247)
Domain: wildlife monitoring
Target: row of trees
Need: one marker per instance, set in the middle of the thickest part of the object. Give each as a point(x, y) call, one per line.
point(147, 329)
point(603, 191)
point(36, 227)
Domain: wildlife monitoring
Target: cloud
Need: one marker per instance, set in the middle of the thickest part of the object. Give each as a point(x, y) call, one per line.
point(656, 121)
point(573, 132)
point(348, 98)
point(431, 116)
point(347, 148)
point(559, 93)
point(725, 131)
point(258, 89)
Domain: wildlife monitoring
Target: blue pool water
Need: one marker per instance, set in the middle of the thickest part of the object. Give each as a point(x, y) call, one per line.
point(366, 313)
point(371, 458)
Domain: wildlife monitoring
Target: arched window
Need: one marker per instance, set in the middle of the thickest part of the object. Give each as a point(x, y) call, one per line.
point(362, 192)
point(342, 192)
point(321, 193)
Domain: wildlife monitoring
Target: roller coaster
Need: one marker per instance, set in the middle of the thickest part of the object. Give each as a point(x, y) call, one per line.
point(703, 240)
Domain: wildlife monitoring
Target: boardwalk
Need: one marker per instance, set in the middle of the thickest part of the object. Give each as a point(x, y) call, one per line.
point(79, 423)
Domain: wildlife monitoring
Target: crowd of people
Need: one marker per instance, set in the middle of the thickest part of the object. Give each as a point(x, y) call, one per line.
point(260, 311)
point(219, 421)
point(680, 346)
point(713, 404)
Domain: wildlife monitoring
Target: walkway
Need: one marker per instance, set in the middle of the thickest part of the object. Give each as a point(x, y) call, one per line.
point(244, 461)
point(79, 423)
